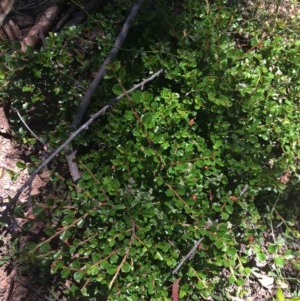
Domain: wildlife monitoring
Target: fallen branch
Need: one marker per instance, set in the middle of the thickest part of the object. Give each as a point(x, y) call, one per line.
point(10, 206)
point(39, 30)
point(113, 52)
point(70, 155)
point(9, 27)
point(5, 9)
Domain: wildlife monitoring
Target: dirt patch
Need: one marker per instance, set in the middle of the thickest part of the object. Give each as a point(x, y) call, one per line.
point(13, 285)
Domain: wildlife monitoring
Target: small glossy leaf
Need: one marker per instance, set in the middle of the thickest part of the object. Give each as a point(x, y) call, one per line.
point(65, 235)
point(114, 258)
point(126, 267)
point(78, 275)
point(21, 165)
point(279, 261)
point(111, 270)
point(65, 273)
point(148, 120)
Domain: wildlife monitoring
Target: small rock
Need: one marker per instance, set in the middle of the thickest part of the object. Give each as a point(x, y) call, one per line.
point(6, 186)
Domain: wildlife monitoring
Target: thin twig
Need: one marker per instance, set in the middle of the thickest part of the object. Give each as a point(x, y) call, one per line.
point(177, 195)
point(187, 256)
point(124, 258)
point(28, 128)
point(244, 189)
point(72, 136)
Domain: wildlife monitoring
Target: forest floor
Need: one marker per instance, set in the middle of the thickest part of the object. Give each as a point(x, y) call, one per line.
point(14, 284)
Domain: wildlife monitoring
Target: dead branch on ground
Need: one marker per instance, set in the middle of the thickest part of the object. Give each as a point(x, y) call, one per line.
point(70, 154)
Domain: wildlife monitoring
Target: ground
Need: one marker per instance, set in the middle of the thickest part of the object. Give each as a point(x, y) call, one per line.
point(14, 285)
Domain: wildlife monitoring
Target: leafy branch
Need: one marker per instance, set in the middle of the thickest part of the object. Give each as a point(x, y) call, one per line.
point(124, 258)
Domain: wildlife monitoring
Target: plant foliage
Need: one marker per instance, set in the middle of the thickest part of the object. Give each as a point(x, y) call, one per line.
point(188, 157)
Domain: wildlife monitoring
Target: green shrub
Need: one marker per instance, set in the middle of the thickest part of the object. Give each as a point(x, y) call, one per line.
point(183, 159)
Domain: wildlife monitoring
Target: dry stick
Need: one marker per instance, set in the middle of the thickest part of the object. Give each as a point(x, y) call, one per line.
point(70, 155)
point(29, 129)
point(113, 52)
point(193, 249)
point(72, 136)
point(187, 256)
point(38, 31)
point(5, 9)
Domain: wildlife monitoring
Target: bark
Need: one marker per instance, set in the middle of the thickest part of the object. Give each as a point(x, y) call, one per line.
point(38, 32)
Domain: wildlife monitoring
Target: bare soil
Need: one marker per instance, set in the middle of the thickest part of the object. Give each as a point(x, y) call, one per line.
point(14, 285)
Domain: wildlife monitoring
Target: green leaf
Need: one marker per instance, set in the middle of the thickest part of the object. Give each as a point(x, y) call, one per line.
point(148, 120)
point(224, 215)
point(261, 256)
point(80, 223)
point(219, 244)
point(65, 273)
point(114, 66)
point(279, 261)
point(117, 90)
point(272, 248)
point(231, 252)
point(44, 247)
point(21, 165)
point(85, 292)
point(27, 89)
point(94, 270)
point(280, 295)
point(38, 210)
point(114, 259)
point(65, 235)
point(126, 267)
point(75, 264)
point(78, 275)
point(111, 242)
point(111, 270)
point(296, 265)
point(289, 254)
point(95, 258)
point(4, 259)
point(158, 256)
point(229, 209)
point(104, 265)
point(129, 116)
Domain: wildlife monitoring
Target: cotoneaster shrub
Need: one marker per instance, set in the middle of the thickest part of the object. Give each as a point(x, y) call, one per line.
point(183, 159)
